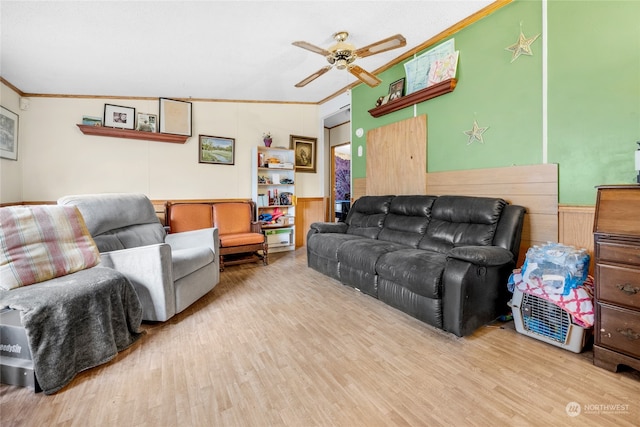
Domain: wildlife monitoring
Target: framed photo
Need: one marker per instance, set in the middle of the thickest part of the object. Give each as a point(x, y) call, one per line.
point(117, 116)
point(91, 121)
point(175, 117)
point(8, 134)
point(396, 89)
point(216, 150)
point(147, 122)
point(305, 153)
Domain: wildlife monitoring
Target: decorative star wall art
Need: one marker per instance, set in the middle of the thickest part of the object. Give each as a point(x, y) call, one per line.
point(522, 46)
point(475, 133)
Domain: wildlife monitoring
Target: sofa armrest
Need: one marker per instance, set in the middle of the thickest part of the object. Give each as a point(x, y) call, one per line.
point(329, 227)
point(195, 238)
point(149, 269)
point(474, 289)
point(486, 256)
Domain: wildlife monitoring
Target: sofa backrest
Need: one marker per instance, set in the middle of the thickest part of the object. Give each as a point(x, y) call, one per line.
point(366, 216)
point(118, 220)
point(462, 221)
point(182, 217)
point(232, 217)
point(407, 220)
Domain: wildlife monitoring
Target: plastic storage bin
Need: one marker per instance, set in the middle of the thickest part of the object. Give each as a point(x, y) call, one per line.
point(541, 319)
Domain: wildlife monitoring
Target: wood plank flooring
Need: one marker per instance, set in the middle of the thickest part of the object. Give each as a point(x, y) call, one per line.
point(283, 345)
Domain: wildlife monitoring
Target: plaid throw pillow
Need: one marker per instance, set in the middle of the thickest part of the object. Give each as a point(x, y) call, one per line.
point(42, 242)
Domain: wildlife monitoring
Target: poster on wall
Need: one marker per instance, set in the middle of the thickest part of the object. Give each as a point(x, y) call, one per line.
point(417, 70)
point(8, 134)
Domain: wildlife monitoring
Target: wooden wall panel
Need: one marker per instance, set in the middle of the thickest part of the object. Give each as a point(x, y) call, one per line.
point(576, 228)
point(533, 186)
point(358, 188)
point(396, 157)
point(308, 211)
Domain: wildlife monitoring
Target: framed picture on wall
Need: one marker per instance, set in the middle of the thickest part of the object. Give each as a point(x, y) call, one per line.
point(8, 134)
point(117, 116)
point(175, 117)
point(216, 150)
point(305, 153)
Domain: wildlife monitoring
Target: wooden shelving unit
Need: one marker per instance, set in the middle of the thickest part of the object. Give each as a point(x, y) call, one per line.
point(422, 95)
point(132, 134)
point(280, 236)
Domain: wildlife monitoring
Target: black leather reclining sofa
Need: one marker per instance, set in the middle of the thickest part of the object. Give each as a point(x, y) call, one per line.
point(442, 259)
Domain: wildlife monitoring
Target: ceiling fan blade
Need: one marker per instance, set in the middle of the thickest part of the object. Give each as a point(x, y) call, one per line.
point(389, 43)
point(312, 48)
point(314, 76)
point(364, 76)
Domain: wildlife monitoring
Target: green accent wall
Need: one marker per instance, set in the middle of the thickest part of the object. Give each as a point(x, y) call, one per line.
point(593, 101)
point(594, 94)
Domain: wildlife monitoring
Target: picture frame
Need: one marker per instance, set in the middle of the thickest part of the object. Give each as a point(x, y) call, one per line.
point(175, 116)
point(118, 116)
point(396, 89)
point(304, 149)
point(147, 122)
point(216, 150)
point(9, 122)
point(91, 121)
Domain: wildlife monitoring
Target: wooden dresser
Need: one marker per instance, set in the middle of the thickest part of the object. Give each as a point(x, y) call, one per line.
point(617, 277)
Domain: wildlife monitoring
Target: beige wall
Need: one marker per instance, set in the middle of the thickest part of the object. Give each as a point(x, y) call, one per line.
point(11, 170)
point(56, 159)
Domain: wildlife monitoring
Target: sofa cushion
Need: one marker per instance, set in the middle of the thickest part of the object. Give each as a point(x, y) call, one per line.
point(43, 242)
point(462, 221)
point(186, 261)
point(241, 239)
point(407, 219)
point(326, 245)
point(417, 270)
point(362, 254)
point(366, 216)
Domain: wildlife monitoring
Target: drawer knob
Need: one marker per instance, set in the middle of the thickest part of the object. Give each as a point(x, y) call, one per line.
point(628, 288)
point(629, 334)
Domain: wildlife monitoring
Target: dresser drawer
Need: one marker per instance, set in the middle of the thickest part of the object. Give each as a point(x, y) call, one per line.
point(618, 285)
point(618, 253)
point(618, 329)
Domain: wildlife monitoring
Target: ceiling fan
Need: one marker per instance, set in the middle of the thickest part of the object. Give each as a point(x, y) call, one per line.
point(342, 55)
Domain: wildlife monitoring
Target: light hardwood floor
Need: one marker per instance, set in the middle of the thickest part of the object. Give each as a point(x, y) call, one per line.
point(282, 345)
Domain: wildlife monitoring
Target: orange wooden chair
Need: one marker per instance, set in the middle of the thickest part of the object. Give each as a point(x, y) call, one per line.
point(241, 239)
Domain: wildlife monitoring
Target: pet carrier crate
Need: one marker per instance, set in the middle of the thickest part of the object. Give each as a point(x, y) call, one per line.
point(545, 321)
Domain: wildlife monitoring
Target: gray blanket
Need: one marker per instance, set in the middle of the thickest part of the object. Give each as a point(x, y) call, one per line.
point(76, 322)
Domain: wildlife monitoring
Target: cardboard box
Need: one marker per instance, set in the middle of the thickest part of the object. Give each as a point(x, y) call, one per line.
point(279, 237)
point(16, 364)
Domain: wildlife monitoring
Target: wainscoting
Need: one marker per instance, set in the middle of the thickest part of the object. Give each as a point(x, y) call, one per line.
point(570, 225)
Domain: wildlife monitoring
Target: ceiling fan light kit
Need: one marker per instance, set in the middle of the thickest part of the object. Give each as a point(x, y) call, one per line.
point(342, 56)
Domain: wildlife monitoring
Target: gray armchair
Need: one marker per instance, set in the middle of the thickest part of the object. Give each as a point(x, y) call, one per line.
point(169, 271)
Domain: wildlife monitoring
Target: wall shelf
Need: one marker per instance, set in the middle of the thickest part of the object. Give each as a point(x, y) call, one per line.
point(421, 95)
point(132, 134)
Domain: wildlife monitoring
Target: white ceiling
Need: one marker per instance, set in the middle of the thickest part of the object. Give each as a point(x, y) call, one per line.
point(223, 50)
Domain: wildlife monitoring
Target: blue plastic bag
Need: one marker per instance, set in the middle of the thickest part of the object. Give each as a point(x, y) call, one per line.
point(556, 267)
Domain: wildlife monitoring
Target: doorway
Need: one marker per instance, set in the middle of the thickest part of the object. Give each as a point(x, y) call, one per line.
point(341, 181)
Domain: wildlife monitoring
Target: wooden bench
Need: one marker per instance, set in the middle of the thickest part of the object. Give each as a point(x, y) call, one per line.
point(241, 238)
